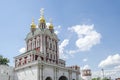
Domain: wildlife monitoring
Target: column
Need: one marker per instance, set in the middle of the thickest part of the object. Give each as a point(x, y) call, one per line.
point(41, 41)
point(42, 73)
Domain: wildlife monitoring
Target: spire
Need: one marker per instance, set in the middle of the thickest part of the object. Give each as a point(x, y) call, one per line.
point(42, 19)
point(33, 24)
point(51, 25)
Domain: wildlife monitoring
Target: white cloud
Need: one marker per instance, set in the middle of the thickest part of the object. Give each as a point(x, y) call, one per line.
point(110, 61)
point(56, 28)
point(117, 67)
point(47, 24)
point(22, 50)
point(85, 59)
point(85, 67)
point(36, 26)
point(87, 37)
point(56, 32)
point(62, 47)
point(71, 52)
point(113, 73)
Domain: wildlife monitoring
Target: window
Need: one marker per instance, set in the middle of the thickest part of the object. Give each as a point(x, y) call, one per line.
point(54, 56)
point(47, 55)
point(53, 47)
point(51, 56)
point(50, 46)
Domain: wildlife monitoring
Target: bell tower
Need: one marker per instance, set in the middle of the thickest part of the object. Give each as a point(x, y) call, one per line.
point(86, 74)
point(41, 59)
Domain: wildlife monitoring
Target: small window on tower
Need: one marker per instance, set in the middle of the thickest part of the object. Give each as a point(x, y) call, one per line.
point(54, 56)
point(47, 44)
point(47, 55)
point(51, 56)
point(37, 43)
point(53, 47)
point(50, 46)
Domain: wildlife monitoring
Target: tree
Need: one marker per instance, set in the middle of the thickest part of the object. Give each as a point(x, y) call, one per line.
point(105, 78)
point(98, 78)
point(3, 61)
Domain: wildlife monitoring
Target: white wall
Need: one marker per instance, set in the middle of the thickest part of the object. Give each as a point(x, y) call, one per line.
point(86, 77)
point(31, 73)
point(48, 72)
point(63, 72)
point(6, 72)
point(74, 76)
point(28, 73)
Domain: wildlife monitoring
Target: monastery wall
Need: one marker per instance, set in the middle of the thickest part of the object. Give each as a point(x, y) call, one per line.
point(6, 72)
point(48, 72)
point(27, 73)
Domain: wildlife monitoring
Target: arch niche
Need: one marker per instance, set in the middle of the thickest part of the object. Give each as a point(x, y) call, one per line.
point(63, 78)
point(48, 78)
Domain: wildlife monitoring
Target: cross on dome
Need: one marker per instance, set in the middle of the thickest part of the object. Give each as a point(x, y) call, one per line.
point(42, 11)
point(51, 25)
point(51, 20)
point(42, 20)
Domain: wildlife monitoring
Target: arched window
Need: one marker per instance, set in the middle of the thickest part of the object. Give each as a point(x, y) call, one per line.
point(29, 45)
point(38, 42)
point(48, 78)
point(51, 56)
point(47, 55)
point(33, 43)
point(54, 56)
point(63, 78)
point(51, 46)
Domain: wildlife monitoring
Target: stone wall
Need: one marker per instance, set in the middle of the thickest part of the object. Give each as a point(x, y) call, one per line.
point(6, 72)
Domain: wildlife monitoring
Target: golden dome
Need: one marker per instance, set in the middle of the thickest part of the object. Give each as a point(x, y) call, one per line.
point(33, 24)
point(51, 26)
point(42, 19)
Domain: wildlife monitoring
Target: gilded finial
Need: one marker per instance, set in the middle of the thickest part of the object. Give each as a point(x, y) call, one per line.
point(33, 24)
point(42, 11)
point(51, 25)
point(42, 20)
point(50, 20)
point(32, 20)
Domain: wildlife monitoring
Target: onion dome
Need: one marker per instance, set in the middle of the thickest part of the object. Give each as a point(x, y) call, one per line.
point(51, 25)
point(33, 24)
point(42, 19)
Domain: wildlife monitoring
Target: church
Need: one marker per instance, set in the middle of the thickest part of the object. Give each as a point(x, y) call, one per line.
point(41, 59)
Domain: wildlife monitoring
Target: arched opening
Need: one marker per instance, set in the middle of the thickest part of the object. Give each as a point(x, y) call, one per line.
point(48, 78)
point(63, 78)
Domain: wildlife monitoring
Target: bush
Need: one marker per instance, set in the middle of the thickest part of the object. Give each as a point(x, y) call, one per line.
point(3, 61)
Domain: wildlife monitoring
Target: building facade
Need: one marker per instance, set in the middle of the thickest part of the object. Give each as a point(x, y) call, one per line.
point(86, 74)
point(41, 59)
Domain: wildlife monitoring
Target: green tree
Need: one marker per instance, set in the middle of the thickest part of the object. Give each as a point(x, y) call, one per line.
point(105, 78)
point(98, 78)
point(3, 61)
point(94, 78)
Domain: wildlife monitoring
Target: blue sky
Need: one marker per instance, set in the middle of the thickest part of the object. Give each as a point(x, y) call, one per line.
point(101, 17)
